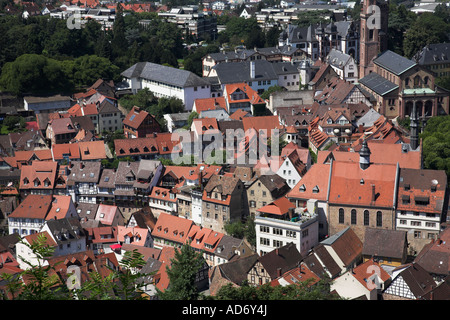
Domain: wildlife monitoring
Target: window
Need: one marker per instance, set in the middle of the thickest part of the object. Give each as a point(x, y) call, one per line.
point(379, 219)
point(277, 231)
point(353, 216)
point(264, 241)
point(277, 243)
point(366, 217)
point(264, 229)
point(341, 215)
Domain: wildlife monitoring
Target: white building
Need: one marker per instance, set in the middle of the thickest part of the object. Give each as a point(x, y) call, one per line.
point(276, 227)
point(344, 65)
point(196, 206)
point(167, 82)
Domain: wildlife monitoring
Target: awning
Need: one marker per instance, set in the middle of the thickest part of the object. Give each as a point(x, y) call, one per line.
point(115, 246)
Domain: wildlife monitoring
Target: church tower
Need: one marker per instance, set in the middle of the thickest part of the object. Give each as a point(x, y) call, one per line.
point(373, 33)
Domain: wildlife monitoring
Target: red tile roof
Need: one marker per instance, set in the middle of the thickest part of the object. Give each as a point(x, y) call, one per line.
point(60, 207)
point(251, 95)
point(374, 186)
point(34, 207)
point(38, 175)
point(278, 207)
point(316, 176)
point(135, 117)
point(210, 104)
point(365, 273)
point(172, 228)
point(92, 150)
point(268, 123)
point(71, 150)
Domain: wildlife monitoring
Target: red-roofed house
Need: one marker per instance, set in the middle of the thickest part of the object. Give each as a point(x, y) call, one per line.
point(367, 280)
point(38, 178)
point(60, 130)
point(163, 200)
point(241, 96)
point(209, 104)
point(31, 214)
point(171, 231)
point(109, 215)
point(138, 123)
point(92, 150)
point(134, 235)
point(65, 152)
point(295, 276)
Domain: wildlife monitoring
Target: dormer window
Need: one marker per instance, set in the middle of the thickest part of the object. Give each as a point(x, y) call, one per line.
point(315, 189)
point(302, 188)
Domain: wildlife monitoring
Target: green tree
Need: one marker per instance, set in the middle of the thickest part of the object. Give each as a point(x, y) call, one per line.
point(427, 29)
point(36, 74)
point(182, 273)
point(436, 144)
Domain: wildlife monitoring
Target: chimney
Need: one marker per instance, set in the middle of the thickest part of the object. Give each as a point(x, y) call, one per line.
point(373, 192)
point(278, 272)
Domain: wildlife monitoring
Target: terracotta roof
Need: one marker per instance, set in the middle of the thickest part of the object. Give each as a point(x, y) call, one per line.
point(38, 175)
point(336, 91)
point(278, 207)
point(60, 207)
point(106, 213)
point(364, 273)
point(172, 228)
point(92, 150)
point(160, 143)
point(313, 185)
point(135, 117)
point(296, 275)
point(267, 123)
point(239, 114)
point(251, 95)
point(137, 236)
point(33, 238)
point(210, 104)
point(70, 150)
point(33, 206)
point(163, 194)
point(62, 126)
point(372, 187)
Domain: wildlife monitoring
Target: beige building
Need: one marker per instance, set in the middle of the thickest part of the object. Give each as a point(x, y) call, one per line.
point(223, 200)
point(264, 190)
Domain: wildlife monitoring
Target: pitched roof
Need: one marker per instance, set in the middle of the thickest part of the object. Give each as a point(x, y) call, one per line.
point(416, 278)
point(422, 190)
point(34, 206)
point(106, 213)
point(394, 62)
point(233, 72)
point(374, 186)
point(172, 228)
point(346, 244)
point(60, 207)
point(92, 150)
point(135, 117)
point(268, 123)
point(378, 84)
point(435, 53)
point(280, 206)
point(313, 185)
point(62, 150)
point(164, 74)
point(296, 275)
point(284, 258)
point(435, 256)
point(365, 275)
point(38, 175)
point(384, 243)
point(250, 95)
point(210, 104)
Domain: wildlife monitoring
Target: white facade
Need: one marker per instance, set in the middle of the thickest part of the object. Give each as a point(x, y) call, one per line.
point(24, 226)
point(428, 224)
point(288, 172)
point(272, 233)
point(24, 253)
point(348, 287)
point(196, 207)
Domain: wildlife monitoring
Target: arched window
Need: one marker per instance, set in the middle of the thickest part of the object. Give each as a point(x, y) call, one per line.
point(379, 219)
point(366, 217)
point(341, 215)
point(353, 216)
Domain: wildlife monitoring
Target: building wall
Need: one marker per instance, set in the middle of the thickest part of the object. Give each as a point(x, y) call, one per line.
point(388, 219)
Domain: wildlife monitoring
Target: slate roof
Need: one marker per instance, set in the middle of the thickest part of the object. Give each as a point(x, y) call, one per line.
point(378, 84)
point(394, 62)
point(164, 74)
point(435, 53)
